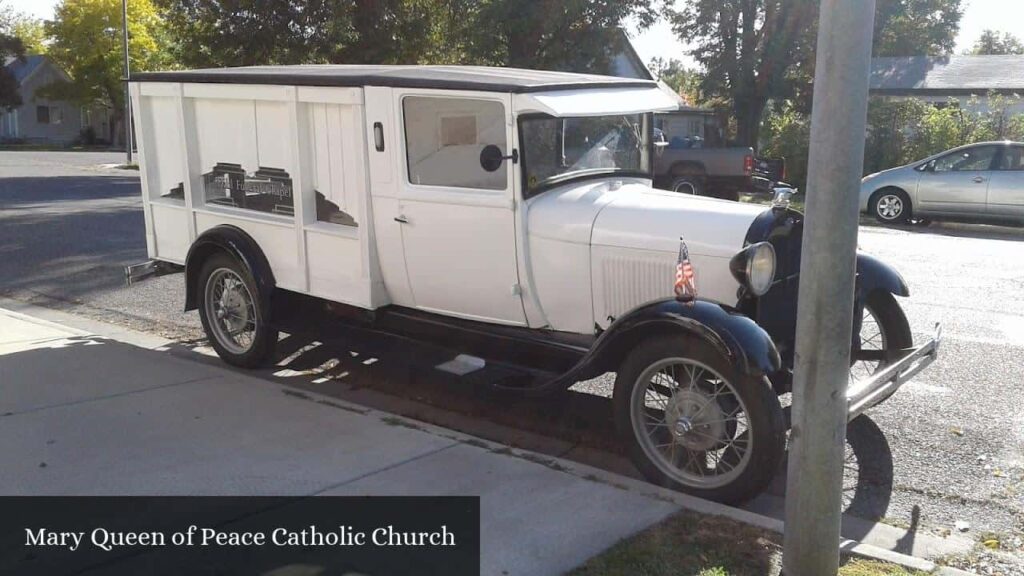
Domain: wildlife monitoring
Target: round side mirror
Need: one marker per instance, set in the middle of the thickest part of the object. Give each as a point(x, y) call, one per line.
point(491, 158)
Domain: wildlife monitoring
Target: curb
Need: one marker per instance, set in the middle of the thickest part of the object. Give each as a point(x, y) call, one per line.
point(89, 327)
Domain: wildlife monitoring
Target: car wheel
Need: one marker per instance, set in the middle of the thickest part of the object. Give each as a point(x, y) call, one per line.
point(232, 313)
point(884, 335)
point(688, 184)
point(891, 206)
point(692, 423)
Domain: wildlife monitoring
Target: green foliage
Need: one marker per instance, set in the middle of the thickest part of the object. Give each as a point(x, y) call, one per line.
point(553, 34)
point(916, 27)
point(992, 43)
point(787, 134)
point(9, 97)
point(753, 52)
point(685, 81)
point(31, 32)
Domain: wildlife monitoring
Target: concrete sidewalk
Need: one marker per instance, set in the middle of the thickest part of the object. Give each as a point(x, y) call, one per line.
point(86, 415)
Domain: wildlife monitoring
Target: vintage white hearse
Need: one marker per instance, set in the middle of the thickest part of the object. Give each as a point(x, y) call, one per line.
point(508, 215)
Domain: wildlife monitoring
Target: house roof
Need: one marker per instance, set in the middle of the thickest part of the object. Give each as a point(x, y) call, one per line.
point(22, 68)
point(931, 75)
point(447, 77)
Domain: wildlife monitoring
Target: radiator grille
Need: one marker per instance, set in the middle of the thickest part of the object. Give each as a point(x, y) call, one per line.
point(631, 281)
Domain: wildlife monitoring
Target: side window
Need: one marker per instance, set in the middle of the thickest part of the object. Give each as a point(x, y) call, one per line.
point(1013, 158)
point(42, 114)
point(444, 137)
point(970, 160)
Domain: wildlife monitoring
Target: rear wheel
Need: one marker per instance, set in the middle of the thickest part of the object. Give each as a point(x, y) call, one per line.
point(232, 313)
point(688, 184)
point(692, 423)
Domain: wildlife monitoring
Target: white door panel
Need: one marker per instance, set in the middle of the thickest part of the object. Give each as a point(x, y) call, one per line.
point(458, 220)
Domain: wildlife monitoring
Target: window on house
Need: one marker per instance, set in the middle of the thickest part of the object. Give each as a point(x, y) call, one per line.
point(49, 115)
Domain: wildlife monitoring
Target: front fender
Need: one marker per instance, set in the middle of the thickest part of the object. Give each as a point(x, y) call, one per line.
point(746, 345)
point(873, 274)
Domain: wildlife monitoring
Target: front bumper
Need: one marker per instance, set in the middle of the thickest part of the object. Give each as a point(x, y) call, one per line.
point(888, 380)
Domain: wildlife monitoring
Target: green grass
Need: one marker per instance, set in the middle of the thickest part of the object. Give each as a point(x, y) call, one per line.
point(688, 544)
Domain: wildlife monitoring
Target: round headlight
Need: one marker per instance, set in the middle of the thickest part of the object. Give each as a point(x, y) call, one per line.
point(754, 267)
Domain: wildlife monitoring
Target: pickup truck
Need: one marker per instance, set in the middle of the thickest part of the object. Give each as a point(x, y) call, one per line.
point(692, 158)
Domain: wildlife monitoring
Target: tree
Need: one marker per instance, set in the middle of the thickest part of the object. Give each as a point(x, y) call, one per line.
point(569, 35)
point(31, 32)
point(992, 43)
point(10, 46)
point(87, 45)
point(685, 81)
point(755, 51)
point(916, 27)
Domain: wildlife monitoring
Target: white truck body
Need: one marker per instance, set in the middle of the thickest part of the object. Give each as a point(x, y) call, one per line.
point(345, 206)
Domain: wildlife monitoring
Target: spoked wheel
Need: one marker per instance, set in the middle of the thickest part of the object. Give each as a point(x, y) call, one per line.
point(232, 314)
point(694, 424)
point(884, 335)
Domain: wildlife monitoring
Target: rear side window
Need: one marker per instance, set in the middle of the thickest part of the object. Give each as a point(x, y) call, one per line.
point(1013, 158)
point(444, 138)
point(969, 160)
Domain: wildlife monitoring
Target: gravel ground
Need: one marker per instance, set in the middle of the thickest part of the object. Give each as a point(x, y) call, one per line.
point(955, 434)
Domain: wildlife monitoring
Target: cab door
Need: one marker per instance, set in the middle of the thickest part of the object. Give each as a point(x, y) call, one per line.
point(957, 183)
point(458, 219)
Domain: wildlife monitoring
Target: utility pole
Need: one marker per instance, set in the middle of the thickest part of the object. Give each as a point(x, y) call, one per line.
point(127, 94)
point(827, 276)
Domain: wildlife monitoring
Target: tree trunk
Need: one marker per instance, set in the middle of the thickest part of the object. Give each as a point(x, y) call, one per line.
point(748, 120)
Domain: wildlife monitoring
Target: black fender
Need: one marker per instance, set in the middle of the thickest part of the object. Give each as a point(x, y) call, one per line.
point(873, 274)
point(235, 242)
point(746, 345)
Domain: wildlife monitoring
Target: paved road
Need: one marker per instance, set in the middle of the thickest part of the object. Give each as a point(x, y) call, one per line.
point(955, 435)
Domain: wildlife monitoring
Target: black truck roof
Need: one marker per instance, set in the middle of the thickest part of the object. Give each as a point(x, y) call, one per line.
point(480, 78)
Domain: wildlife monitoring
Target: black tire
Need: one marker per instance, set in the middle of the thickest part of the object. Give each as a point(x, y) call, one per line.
point(894, 330)
point(891, 206)
point(754, 396)
point(263, 339)
point(689, 184)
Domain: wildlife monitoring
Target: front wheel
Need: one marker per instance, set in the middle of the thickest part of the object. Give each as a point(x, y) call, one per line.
point(692, 423)
point(232, 313)
point(883, 338)
point(891, 206)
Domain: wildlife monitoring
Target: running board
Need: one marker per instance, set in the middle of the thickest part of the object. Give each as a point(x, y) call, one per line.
point(887, 381)
point(135, 273)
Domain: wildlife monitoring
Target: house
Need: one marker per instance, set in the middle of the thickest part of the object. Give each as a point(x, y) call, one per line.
point(969, 81)
point(40, 120)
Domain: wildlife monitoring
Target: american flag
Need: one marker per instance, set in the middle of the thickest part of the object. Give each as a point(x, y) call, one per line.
point(686, 280)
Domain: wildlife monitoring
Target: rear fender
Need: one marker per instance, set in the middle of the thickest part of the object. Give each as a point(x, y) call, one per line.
point(745, 344)
point(236, 243)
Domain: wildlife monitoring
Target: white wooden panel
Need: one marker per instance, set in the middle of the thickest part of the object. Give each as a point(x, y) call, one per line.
point(337, 157)
point(158, 88)
point(278, 242)
point(273, 134)
point(170, 228)
point(238, 91)
point(330, 95)
point(353, 161)
point(163, 146)
point(318, 118)
point(226, 132)
point(335, 269)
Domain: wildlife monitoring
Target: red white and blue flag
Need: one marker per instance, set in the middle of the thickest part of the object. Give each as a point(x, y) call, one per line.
point(686, 280)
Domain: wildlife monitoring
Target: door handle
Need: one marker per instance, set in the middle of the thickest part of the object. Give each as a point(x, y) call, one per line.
point(401, 219)
point(978, 179)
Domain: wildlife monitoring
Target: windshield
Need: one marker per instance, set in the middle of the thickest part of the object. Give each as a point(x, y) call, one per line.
point(560, 149)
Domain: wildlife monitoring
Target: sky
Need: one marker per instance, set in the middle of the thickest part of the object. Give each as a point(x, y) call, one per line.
point(658, 40)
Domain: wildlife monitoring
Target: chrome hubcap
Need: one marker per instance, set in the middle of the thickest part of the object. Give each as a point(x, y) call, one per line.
point(890, 207)
point(690, 423)
point(231, 310)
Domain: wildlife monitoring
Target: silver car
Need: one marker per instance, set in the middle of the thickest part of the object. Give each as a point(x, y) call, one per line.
point(976, 182)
